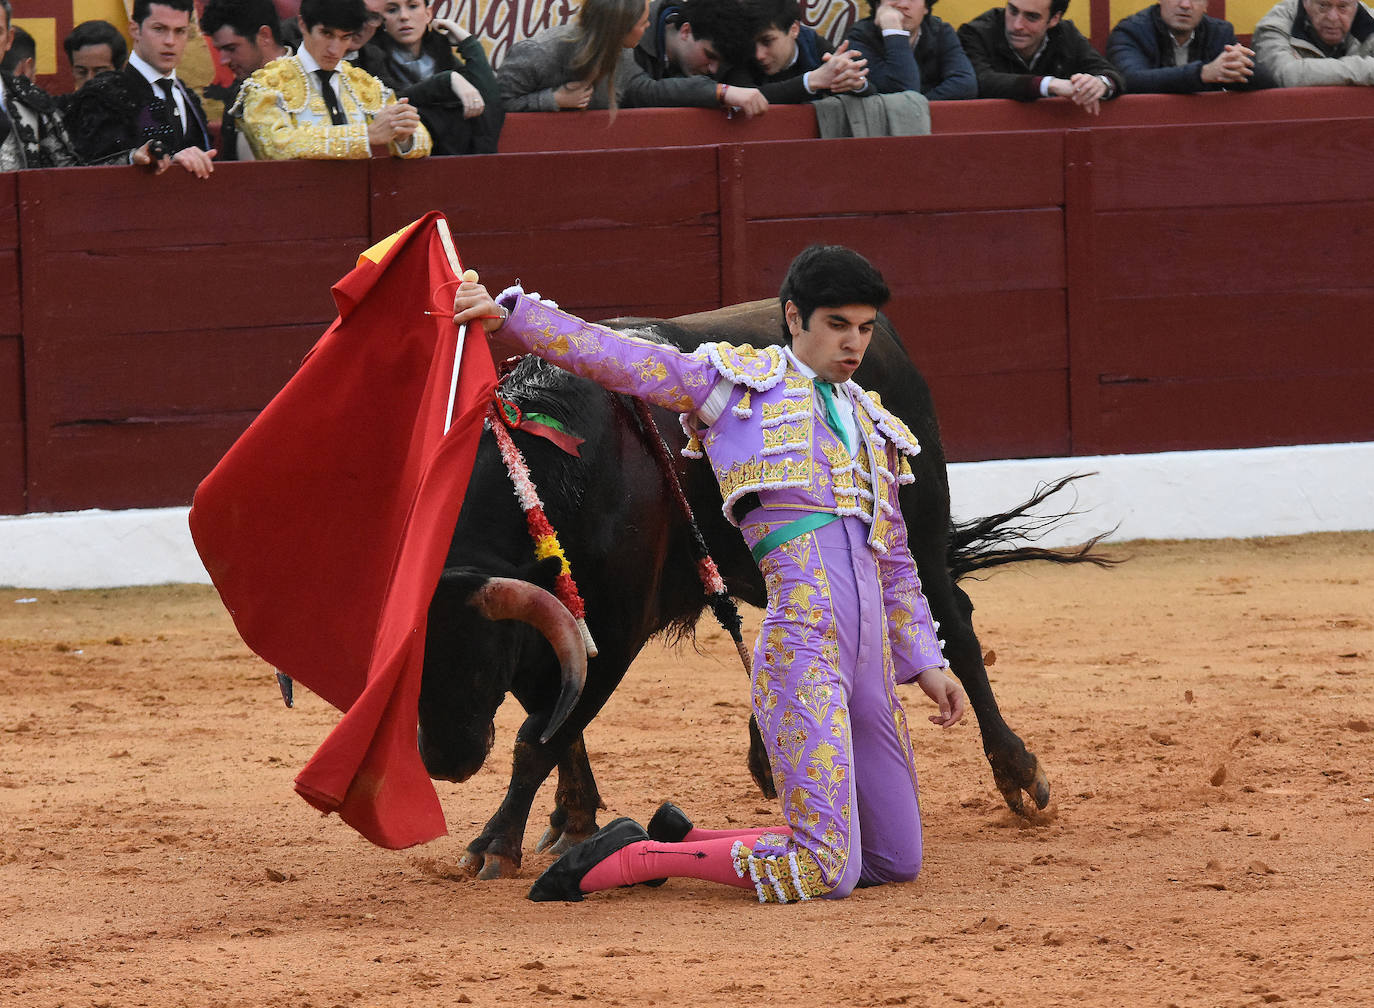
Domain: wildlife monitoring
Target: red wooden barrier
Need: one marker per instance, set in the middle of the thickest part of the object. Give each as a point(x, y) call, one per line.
point(1096, 289)
point(633, 232)
point(1221, 307)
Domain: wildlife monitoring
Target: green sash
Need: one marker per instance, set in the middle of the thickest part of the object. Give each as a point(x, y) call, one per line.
point(790, 531)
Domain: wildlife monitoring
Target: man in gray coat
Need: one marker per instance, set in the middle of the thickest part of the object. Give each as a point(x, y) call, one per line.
point(1307, 43)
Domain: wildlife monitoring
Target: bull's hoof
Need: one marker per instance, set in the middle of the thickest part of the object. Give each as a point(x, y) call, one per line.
point(498, 866)
point(559, 840)
point(1015, 789)
point(487, 866)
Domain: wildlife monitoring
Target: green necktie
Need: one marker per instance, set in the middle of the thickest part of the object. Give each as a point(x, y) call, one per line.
point(832, 416)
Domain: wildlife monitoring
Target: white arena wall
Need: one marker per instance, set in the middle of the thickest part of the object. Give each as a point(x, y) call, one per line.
point(1169, 495)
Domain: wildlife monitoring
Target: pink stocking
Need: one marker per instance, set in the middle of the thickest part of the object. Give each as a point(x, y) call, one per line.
point(646, 860)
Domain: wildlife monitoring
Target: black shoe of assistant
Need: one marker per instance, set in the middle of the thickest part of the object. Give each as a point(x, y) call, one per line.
point(669, 824)
point(562, 880)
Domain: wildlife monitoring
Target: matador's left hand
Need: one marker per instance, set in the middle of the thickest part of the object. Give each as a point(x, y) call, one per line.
point(945, 690)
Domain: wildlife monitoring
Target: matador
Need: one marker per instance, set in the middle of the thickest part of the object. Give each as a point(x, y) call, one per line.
point(809, 466)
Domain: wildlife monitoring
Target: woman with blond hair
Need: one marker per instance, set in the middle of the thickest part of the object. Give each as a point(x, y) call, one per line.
point(574, 66)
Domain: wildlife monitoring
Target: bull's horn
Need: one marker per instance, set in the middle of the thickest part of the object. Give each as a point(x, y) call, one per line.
point(511, 598)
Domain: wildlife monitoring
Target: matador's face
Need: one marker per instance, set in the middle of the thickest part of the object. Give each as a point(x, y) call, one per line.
point(833, 341)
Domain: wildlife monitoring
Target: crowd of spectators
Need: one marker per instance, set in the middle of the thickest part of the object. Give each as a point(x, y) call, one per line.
point(348, 77)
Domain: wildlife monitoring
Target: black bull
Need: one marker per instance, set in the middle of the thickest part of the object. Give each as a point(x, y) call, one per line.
point(631, 555)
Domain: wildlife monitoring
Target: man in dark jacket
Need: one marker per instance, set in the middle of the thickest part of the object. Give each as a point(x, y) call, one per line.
point(1028, 51)
point(115, 118)
point(31, 131)
point(1174, 48)
point(247, 34)
point(687, 38)
point(792, 64)
point(909, 49)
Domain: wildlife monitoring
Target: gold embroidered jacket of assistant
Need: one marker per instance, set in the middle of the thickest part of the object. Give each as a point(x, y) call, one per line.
point(283, 114)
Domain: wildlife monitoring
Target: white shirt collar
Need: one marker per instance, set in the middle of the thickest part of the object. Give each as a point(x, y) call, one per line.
point(150, 73)
point(843, 404)
point(805, 368)
point(798, 363)
point(308, 63)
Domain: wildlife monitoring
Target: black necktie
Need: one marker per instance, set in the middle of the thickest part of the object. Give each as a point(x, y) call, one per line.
point(178, 129)
point(336, 115)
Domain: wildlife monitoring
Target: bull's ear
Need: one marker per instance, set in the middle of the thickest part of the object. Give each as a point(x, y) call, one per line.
point(462, 581)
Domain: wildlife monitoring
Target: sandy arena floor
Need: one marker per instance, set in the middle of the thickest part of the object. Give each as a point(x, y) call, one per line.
point(1204, 713)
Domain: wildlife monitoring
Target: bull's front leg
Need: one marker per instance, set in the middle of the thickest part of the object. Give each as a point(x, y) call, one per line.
point(576, 802)
point(496, 851)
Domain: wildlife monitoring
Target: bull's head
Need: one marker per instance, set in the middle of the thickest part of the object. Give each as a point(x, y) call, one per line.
point(470, 659)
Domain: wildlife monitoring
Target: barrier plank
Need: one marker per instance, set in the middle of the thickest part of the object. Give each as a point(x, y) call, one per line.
point(525, 132)
point(986, 115)
point(987, 333)
point(972, 253)
point(1269, 333)
point(134, 463)
point(114, 208)
point(1261, 249)
point(551, 191)
point(895, 175)
point(996, 416)
point(617, 233)
point(1234, 164)
point(1244, 411)
point(111, 376)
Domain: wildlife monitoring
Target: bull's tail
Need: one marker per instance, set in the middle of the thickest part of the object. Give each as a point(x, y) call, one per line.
point(981, 544)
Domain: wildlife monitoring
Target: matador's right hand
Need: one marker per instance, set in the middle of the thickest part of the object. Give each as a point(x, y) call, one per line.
point(948, 695)
point(472, 302)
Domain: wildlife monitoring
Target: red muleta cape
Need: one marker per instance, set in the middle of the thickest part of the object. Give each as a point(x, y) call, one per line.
point(326, 525)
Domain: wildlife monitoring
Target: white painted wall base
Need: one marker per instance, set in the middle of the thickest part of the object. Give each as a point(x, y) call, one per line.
point(1171, 495)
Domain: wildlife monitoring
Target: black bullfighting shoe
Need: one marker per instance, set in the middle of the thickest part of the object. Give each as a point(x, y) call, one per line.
point(562, 879)
point(669, 824)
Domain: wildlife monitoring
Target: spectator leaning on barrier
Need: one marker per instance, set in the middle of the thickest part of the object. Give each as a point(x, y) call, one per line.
point(455, 92)
point(247, 34)
point(31, 131)
point(790, 64)
point(1174, 48)
point(19, 60)
point(1310, 43)
point(572, 67)
point(315, 104)
point(686, 38)
point(910, 49)
point(115, 118)
point(1028, 51)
